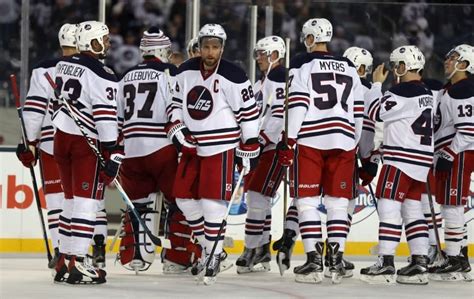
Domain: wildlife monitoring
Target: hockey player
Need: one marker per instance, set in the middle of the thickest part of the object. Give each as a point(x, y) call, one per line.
point(90, 89)
point(454, 162)
point(326, 111)
point(40, 133)
point(267, 177)
point(150, 158)
point(213, 117)
point(406, 110)
point(193, 48)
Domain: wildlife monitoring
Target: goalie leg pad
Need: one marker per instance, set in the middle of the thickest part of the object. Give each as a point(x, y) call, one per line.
point(179, 236)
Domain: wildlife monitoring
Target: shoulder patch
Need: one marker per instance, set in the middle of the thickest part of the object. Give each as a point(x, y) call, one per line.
point(366, 83)
point(462, 90)
point(278, 74)
point(47, 63)
point(410, 89)
point(232, 72)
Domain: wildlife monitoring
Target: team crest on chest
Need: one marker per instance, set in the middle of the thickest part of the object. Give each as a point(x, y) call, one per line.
point(199, 102)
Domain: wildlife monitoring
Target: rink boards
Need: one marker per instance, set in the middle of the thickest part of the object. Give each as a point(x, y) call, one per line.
point(20, 229)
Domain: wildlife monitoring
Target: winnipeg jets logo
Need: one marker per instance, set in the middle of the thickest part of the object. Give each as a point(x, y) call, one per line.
point(199, 102)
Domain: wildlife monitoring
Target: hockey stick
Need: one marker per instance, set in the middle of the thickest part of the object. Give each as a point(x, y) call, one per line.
point(224, 221)
point(285, 133)
point(165, 243)
point(16, 94)
point(433, 218)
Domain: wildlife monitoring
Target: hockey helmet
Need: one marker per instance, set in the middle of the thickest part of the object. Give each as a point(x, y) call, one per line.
point(319, 28)
point(466, 53)
point(212, 31)
point(155, 43)
point(67, 35)
point(411, 56)
point(193, 45)
point(269, 44)
point(360, 56)
point(87, 32)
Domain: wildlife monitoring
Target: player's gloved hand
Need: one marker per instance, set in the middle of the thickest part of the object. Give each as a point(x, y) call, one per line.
point(285, 152)
point(182, 139)
point(247, 155)
point(27, 155)
point(369, 168)
point(444, 163)
point(263, 140)
point(113, 155)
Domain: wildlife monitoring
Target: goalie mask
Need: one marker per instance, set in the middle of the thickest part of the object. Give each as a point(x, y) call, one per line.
point(410, 56)
point(89, 31)
point(466, 53)
point(212, 31)
point(67, 35)
point(319, 28)
point(359, 56)
point(155, 43)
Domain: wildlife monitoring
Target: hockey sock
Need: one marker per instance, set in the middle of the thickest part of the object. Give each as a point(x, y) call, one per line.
point(453, 228)
point(54, 202)
point(192, 211)
point(337, 224)
point(214, 212)
point(309, 221)
point(416, 228)
point(82, 224)
point(390, 225)
point(427, 213)
point(292, 219)
point(255, 222)
point(65, 238)
point(267, 228)
point(101, 221)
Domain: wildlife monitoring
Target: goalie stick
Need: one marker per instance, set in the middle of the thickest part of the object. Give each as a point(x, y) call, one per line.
point(158, 241)
point(16, 94)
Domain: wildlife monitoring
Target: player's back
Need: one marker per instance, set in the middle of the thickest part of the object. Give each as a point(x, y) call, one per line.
point(91, 89)
point(143, 95)
point(330, 90)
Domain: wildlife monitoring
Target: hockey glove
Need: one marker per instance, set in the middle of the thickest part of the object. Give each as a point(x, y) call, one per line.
point(285, 152)
point(182, 139)
point(444, 163)
point(247, 155)
point(369, 168)
point(113, 155)
point(27, 156)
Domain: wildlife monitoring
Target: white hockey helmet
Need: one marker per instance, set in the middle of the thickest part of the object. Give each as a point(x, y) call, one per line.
point(411, 56)
point(466, 53)
point(67, 35)
point(212, 31)
point(155, 43)
point(360, 56)
point(87, 32)
point(269, 44)
point(319, 28)
point(193, 45)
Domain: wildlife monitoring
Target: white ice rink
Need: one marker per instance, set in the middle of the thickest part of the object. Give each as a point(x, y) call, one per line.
point(26, 276)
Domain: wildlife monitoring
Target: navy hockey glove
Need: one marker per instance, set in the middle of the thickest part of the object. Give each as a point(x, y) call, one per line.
point(27, 155)
point(247, 155)
point(369, 168)
point(285, 152)
point(182, 139)
point(444, 163)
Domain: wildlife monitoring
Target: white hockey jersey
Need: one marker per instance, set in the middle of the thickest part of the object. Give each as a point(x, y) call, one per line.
point(406, 110)
point(271, 93)
point(38, 108)
point(454, 121)
point(218, 108)
point(326, 102)
point(91, 89)
point(144, 93)
point(372, 132)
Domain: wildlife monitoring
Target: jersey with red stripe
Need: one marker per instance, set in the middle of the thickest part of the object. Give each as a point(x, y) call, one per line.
point(406, 110)
point(38, 109)
point(143, 96)
point(272, 94)
point(90, 88)
point(454, 122)
point(326, 102)
point(218, 107)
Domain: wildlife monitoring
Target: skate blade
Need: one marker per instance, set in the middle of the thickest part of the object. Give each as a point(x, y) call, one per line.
point(336, 277)
point(420, 279)
point(449, 277)
point(313, 278)
point(348, 274)
point(378, 279)
point(467, 277)
point(209, 280)
point(261, 267)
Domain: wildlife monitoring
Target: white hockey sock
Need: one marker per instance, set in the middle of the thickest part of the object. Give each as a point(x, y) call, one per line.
point(337, 224)
point(65, 238)
point(390, 225)
point(54, 202)
point(192, 211)
point(425, 204)
point(82, 224)
point(214, 212)
point(453, 228)
point(292, 219)
point(267, 228)
point(255, 221)
point(416, 228)
point(309, 222)
point(101, 222)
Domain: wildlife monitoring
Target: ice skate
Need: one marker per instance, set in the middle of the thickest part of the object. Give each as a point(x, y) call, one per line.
point(262, 259)
point(211, 270)
point(466, 266)
point(245, 261)
point(448, 270)
point(98, 252)
point(82, 272)
point(416, 272)
point(285, 248)
point(312, 270)
point(61, 273)
point(382, 272)
point(335, 265)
